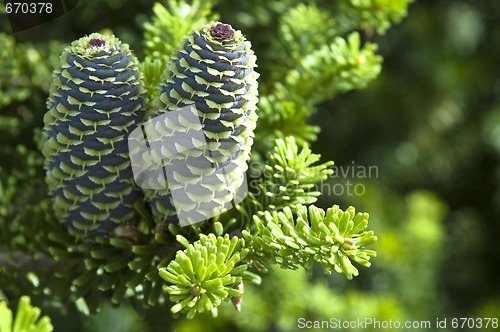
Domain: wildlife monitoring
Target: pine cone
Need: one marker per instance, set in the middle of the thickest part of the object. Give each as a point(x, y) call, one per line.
point(96, 98)
point(213, 72)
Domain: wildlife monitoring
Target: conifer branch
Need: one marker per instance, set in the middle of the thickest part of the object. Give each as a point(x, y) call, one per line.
point(334, 239)
point(97, 239)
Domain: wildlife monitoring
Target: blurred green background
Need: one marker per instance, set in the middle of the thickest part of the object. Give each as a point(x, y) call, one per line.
point(429, 125)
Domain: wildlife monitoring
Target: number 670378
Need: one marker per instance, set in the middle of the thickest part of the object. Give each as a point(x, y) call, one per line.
point(28, 8)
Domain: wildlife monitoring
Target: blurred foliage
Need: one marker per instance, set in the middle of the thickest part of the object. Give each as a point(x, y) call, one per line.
point(27, 318)
point(172, 22)
point(378, 14)
point(430, 123)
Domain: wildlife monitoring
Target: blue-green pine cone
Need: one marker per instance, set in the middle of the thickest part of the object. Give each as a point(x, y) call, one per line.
point(212, 71)
point(96, 98)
